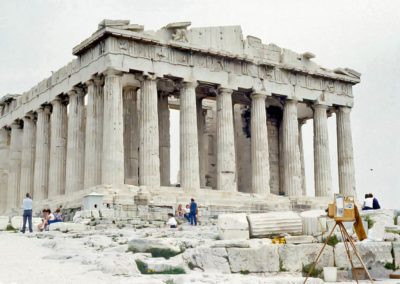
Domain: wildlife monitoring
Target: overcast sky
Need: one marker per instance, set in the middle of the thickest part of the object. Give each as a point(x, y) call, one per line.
point(36, 37)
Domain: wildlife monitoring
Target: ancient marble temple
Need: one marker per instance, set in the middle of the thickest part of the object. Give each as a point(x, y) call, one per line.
point(103, 119)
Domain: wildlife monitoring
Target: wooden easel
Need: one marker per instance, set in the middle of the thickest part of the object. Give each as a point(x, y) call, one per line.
point(348, 242)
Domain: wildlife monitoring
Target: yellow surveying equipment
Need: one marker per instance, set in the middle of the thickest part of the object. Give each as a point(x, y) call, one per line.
point(343, 209)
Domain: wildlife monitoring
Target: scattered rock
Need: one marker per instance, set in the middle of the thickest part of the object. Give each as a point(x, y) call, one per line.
point(123, 264)
point(263, 259)
point(208, 259)
point(233, 226)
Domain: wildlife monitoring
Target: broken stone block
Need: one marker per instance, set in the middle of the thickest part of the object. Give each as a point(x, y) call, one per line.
point(294, 257)
point(233, 226)
point(274, 223)
point(208, 259)
point(262, 259)
point(314, 222)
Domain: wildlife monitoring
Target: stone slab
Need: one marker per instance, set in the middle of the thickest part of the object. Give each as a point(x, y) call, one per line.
point(233, 234)
point(396, 253)
point(233, 222)
point(208, 259)
point(294, 257)
point(262, 259)
point(300, 240)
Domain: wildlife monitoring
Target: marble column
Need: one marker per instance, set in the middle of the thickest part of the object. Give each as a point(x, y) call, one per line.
point(189, 148)
point(226, 157)
point(112, 164)
point(322, 166)
point(94, 133)
point(301, 149)
point(14, 176)
point(347, 181)
point(273, 149)
point(164, 138)
point(28, 156)
point(259, 145)
point(58, 148)
point(4, 161)
point(201, 125)
point(292, 184)
point(149, 158)
point(131, 135)
point(42, 155)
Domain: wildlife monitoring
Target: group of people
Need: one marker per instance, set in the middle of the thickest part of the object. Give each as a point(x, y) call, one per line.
point(190, 213)
point(370, 202)
point(47, 216)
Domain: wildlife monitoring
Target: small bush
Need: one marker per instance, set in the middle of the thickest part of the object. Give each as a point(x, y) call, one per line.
point(132, 249)
point(281, 269)
point(333, 241)
point(391, 266)
point(315, 273)
point(10, 228)
point(169, 281)
point(369, 221)
point(165, 253)
point(191, 265)
point(144, 269)
point(244, 272)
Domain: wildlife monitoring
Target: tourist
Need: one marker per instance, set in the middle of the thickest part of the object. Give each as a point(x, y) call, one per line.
point(179, 211)
point(193, 212)
point(187, 213)
point(172, 223)
point(27, 216)
point(43, 225)
point(50, 219)
point(375, 202)
point(58, 215)
point(368, 202)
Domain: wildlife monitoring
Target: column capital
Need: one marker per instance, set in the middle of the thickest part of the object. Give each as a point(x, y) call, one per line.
point(112, 72)
point(189, 84)
point(97, 80)
point(44, 108)
point(76, 91)
point(28, 116)
point(16, 124)
point(224, 91)
point(258, 95)
point(320, 106)
point(344, 109)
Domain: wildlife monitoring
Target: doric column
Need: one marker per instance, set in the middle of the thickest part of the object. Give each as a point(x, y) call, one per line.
point(94, 133)
point(201, 125)
point(131, 135)
point(75, 142)
point(164, 137)
point(290, 150)
point(259, 145)
point(4, 161)
point(42, 155)
point(149, 158)
point(28, 156)
point(273, 149)
point(112, 164)
point(347, 181)
point(14, 176)
point(189, 148)
point(226, 158)
point(301, 149)
point(322, 166)
point(58, 148)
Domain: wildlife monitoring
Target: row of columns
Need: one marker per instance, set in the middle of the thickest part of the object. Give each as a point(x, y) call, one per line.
point(87, 149)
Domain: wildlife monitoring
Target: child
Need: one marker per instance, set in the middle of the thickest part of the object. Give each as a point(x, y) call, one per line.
point(172, 221)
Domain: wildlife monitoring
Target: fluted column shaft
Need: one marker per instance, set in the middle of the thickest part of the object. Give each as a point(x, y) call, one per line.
point(347, 181)
point(292, 184)
point(189, 148)
point(58, 148)
point(164, 136)
point(201, 124)
point(28, 156)
point(259, 145)
point(113, 130)
point(42, 155)
point(149, 158)
point(226, 157)
point(273, 150)
point(94, 133)
point(4, 161)
point(303, 167)
point(322, 166)
point(131, 135)
point(14, 177)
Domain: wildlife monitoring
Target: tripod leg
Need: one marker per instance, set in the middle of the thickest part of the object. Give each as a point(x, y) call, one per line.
point(359, 257)
point(319, 255)
point(346, 245)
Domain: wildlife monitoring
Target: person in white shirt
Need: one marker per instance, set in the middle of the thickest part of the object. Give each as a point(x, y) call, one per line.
point(187, 212)
point(172, 221)
point(368, 202)
point(27, 216)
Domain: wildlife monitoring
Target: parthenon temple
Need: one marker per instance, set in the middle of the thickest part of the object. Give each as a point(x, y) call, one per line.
point(102, 122)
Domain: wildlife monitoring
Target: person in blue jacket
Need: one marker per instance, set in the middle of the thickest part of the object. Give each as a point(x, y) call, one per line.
point(193, 212)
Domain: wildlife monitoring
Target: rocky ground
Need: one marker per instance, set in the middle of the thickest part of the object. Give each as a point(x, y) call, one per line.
point(121, 256)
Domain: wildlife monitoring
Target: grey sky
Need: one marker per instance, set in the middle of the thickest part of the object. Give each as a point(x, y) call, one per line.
point(36, 37)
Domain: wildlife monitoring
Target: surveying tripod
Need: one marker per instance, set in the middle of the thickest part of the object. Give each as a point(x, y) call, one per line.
point(348, 242)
